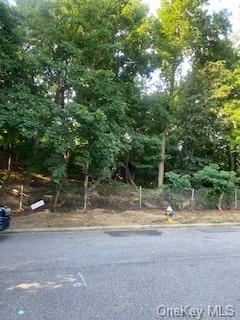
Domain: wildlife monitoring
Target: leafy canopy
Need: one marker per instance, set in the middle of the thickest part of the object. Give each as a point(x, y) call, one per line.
point(219, 180)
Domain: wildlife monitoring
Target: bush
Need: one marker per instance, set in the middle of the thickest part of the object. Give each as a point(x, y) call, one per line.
point(178, 182)
point(219, 181)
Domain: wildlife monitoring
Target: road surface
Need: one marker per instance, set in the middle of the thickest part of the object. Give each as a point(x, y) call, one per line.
point(119, 275)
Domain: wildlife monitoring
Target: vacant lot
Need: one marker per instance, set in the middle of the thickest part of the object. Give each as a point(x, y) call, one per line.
point(101, 217)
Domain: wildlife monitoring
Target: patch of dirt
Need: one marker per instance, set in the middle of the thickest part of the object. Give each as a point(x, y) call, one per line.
point(101, 217)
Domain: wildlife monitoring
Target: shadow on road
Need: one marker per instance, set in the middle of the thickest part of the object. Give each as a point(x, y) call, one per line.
point(130, 233)
point(4, 237)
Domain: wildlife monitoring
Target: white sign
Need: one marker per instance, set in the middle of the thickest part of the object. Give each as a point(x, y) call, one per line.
point(37, 205)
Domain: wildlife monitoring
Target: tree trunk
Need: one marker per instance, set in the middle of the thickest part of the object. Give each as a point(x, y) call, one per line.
point(60, 95)
point(220, 201)
point(161, 169)
point(60, 100)
point(9, 163)
point(126, 169)
point(162, 160)
point(16, 167)
point(129, 178)
point(56, 197)
point(232, 161)
point(86, 180)
point(60, 185)
point(9, 168)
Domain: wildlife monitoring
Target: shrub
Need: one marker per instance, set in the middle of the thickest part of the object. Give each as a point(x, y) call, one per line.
point(219, 180)
point(178, 182)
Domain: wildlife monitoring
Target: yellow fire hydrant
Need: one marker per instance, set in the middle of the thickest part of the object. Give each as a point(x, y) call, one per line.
point(171, 214)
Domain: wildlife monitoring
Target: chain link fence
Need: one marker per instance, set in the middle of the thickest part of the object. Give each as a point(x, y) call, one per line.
point(134, 198)
point(117, 196)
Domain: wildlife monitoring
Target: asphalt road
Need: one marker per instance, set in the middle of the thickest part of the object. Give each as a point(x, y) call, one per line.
point(118, 275)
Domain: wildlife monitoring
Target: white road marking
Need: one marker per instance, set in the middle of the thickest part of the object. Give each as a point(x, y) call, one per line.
point(83, 281)
point(72, 280)
point(77, 284)
point(21, 312)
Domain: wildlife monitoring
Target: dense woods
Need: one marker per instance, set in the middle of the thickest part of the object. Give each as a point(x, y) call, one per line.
point(75, 101)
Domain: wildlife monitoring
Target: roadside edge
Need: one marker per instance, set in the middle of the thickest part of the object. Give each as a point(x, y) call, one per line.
point(127, 227)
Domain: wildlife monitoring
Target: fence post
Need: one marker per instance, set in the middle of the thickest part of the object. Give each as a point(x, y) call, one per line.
point(192, 198)
point(236, 199)
point(21, 198)
point(140, 197)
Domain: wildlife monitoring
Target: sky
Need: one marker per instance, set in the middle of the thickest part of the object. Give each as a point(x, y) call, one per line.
point(232, 6)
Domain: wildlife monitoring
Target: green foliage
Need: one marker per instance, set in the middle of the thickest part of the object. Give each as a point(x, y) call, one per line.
point(145, 157)
point(71, 101)
point(85, 55)
point(178, 182)
point(9, 46)
point(224, 93)
point(219, 180)
point(174, 34)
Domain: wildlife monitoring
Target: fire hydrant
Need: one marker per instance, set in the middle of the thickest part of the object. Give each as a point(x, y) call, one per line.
point(170, 213)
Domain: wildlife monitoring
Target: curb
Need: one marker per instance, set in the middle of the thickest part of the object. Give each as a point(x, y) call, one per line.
point(127, 227)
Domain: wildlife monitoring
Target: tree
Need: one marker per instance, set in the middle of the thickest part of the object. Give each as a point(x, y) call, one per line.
point(10, 42)
point(172, 33)
point(224, 93)
point(148, 116)
point(198, 134)
point(87, 55)
point(185, 30)
point(221, 181)
point(209, 117)
point(18, 93)
point(73, 101)
point(10, 63)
